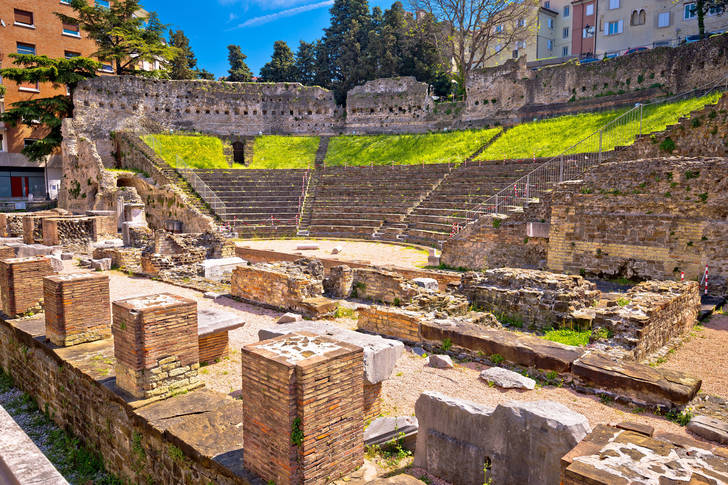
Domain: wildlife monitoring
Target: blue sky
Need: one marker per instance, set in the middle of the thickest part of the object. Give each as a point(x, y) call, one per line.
point(211, 25)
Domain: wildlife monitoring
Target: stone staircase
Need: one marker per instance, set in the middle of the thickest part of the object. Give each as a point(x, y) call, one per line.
point(304, 220)
point(431, 222)
point(259, 203)
point(321, 151)
point(365, 202)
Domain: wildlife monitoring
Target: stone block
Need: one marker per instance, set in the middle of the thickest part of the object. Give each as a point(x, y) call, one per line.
point(709, 428)
point(338, 283)
point(103, 264)
point(212, 295)
point(21, 283)
point(440, 361)
point(217, 269)
point(538, 229)
point(337, 249)
point(457, 440)
point(56, 263)
point(507, 379)
point(316, 307)
point(303, 408)
point(34, 250)
point(77, 308)
point(611, 455)
point(289, 318)
point(134, 213)
point(66, 256)
point(153, 332)
point(380, 354)
point(426, 283)
point(307, 247)
point(637, 382)
point(385, 429)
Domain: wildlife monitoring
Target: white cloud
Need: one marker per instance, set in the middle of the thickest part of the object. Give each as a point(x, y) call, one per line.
point(264, 4)
point(264, 19)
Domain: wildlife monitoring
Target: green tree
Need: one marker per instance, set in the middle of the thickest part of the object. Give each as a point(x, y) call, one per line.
point(322, 70)
point(184, 62)
point(280, 68)
point(123, 37)
point(239, 70)
point(345, 41)
point(205, 74)
point(304, 67)
point(46, 111)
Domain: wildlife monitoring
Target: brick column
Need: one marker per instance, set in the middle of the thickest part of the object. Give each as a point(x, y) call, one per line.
point(7, 252)
point(155, 345)
point(77, 308)
point(21, 283)
point(302, 408)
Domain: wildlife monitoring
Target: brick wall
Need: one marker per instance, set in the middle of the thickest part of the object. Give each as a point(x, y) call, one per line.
point(275, 286)
point(69, 231)
point(21, 283)
point(384, 286)
point(155, 344)
point(77, 308)
point(7, 252)
point(401, 324)
point(302, 408)
point(122, 258)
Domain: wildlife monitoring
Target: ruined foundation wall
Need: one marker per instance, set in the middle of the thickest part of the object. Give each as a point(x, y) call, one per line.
point(644, 219)
point(77, 402)
point(282, 286)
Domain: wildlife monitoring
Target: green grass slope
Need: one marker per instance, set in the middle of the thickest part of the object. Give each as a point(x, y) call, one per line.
point(449, 147)
point(197, 151)
point(548, 138)
point(284, 151)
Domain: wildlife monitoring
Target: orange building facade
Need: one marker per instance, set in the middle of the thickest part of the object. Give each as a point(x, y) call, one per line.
point(31, 27)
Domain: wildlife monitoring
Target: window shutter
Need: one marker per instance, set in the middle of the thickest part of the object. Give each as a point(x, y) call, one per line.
point(23, 17)
point(620, 26)
point(606, 28)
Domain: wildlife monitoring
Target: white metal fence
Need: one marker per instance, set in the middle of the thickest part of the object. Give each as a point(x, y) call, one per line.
point(574, 161)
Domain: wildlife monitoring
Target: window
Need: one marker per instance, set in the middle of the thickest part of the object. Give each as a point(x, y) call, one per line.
point(614, 28)
point(71, 29)
point(567, 10)
point(521, 22)
point(663, 20)
point(102, 3)
point(550, 23)
point(589, 9)
point(549, 44)
point(639, 17)
point(23, 18)
point(26, 48)
point(71, 55)
point(565, 51)
point(613, 4)
point(498, 28)
point(66, 2)
point(515, 54)
point(547, 4)
point(587, 32)
point(107, 68)
point(690, 11)
point(2, 143)
point(565, 33)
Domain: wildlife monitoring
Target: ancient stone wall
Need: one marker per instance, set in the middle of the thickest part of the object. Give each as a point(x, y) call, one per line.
point(128, 259)
point(643, 219)
point(77, 232)
point(505, 94)
point(649, 315)
point(133, 447)
point(530, 298)
point(506, 89)
point(383, 286)
point(21, 282)
point(492, 242)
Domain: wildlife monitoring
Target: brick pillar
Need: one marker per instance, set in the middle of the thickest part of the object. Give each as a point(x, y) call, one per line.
point(155, 345)
point(7, 252)
point(21, 283)
point(77, 308)
point(302, 408)
point(372, 400)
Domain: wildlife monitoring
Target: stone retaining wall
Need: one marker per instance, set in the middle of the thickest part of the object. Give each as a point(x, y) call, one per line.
point(122, 258)
point(532, 298)
point(649, 315)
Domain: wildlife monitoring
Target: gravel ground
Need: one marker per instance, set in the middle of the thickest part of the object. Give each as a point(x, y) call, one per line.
point(371, 252)
point(704, 355)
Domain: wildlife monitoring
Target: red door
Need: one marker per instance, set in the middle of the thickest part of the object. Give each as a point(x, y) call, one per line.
point(16, 186)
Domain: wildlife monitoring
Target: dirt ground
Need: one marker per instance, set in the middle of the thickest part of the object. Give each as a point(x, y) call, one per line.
point(369, 252)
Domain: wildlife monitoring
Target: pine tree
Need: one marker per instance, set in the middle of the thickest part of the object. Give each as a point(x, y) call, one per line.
point(304, 68)
point(123, 37)
point(239, 71)
point(184, 63)
point(280, 67)
point(204, 74)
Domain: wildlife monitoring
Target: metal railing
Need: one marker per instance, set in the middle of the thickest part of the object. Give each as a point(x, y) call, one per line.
point(202, 189)
point(574, 161)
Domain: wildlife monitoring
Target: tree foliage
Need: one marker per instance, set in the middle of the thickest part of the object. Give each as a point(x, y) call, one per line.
point(183, 64)
point(704, 7)
point(304, 66)
point(124, 35)
point(48, 112)
point(239, 70)
point(281, 66)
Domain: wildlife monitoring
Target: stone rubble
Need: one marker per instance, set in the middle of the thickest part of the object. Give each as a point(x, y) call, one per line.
point(507, 379)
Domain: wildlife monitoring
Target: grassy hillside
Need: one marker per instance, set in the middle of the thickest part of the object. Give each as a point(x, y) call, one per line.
point(550, 137)
point(197, 151)
point(284, 151)
point(450, 147)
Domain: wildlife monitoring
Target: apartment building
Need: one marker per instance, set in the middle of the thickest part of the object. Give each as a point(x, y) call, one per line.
point(627, 24)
